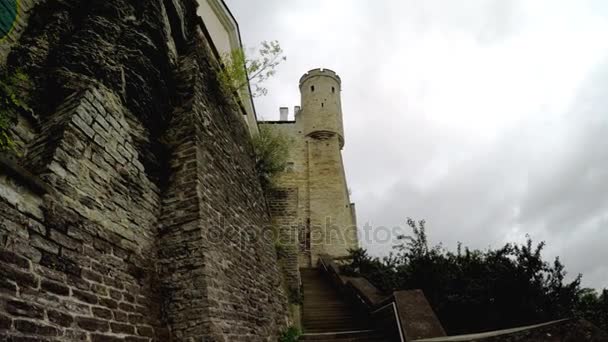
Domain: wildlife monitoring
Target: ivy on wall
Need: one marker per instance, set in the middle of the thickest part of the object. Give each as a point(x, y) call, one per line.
point(12, 101)
point(271, 154)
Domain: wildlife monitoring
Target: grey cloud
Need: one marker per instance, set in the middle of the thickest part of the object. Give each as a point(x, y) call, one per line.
point(542, 169)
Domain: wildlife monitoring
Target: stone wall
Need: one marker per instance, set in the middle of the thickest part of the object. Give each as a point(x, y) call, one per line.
point(215, 226)
point(283, 204)
point(132, 210)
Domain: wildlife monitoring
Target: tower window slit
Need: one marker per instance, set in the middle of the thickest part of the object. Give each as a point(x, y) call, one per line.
point(312, 88)
point(333, 89)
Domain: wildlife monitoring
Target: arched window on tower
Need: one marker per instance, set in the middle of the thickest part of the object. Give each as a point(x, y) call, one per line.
point(312, 88)
point(333, 89)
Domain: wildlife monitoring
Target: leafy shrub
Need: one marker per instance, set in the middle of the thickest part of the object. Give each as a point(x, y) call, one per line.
point(475, 290)
point(290, 335)
point(271, 154)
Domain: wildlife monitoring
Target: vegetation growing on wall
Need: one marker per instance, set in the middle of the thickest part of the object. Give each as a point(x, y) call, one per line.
point(11, 102)
point(271, 154)
point(290, 335)
point(474, 290)
point(241, 70)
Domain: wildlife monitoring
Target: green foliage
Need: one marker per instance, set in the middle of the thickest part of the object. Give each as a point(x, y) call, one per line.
point(295, 296)
point(240, 70)
point(11, 102)
point(290, 335)
point(475, 290)
point(281, 250)
point(593, 306)
point(271, 154)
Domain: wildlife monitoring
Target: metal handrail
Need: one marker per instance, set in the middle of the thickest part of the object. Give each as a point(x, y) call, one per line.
point(393, 305)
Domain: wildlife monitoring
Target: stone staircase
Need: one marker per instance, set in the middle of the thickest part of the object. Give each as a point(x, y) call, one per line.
point(326, 317)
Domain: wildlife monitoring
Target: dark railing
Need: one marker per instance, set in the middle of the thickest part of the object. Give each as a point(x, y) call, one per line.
point(367, 299)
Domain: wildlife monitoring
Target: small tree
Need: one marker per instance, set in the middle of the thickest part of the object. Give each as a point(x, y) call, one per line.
point(271, 154)
point(240, 70)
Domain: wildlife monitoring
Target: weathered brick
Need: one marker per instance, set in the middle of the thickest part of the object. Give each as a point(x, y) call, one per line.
point(29, 252)
point(136, 339)
point(128, 297)
point(115, 294)
point(76, 256)
point(60, 318)
point(136, 319)
point(35, 328)
point(92, 324)
point(126, 307)
point(106, 338)
point(122, 328)
point(54, 287)
point(8, 287)
point(86, 129)
point(100, 268)
point(74, 335)
point(5, 322)
point(18, 276)
point(101, 313)
point(12, 258)
point(44, 244)
point(100, 290)
point(84, 296)
point(64, 240)
point(145, 331)
point(78, 232)
point(113, 282)
point(16, 338)
point(23, 309)
point(77, 282)
point(108, 303)
point(121, 316)
point(90, 275)
point(60, 263)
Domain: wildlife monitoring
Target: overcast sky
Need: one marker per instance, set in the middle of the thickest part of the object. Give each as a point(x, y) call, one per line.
point(486, 118)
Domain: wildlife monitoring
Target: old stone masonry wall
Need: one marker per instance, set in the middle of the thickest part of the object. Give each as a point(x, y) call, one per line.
point(131, 210)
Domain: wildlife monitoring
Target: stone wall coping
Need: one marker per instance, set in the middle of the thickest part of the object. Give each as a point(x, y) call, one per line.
point(10, 168)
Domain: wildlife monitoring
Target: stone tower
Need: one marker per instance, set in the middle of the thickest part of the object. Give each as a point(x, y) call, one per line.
point(321, 106)
point(311, 203)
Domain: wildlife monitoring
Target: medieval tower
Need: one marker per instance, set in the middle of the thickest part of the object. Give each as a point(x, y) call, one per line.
point(312, 202)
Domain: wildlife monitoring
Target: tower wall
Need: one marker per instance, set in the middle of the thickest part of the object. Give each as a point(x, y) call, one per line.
point(332, 226)
point(321, 105)
point(325, 220)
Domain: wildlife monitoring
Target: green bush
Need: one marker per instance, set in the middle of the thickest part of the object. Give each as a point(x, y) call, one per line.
point(271, 154)
point(290, 335)
point(11, 102)
point(496, 288)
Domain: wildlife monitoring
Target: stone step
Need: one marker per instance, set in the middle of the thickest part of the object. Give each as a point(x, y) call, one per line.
point(326, 317)
point(350, 336)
